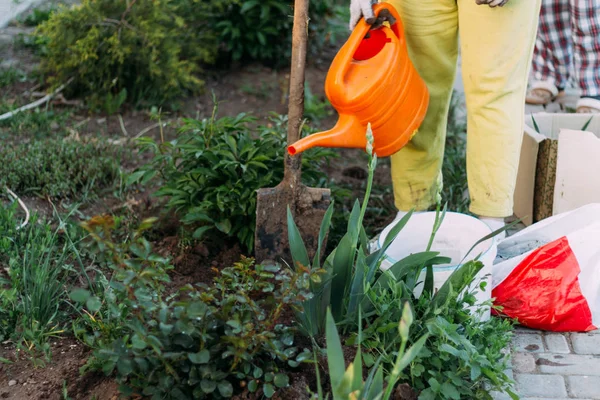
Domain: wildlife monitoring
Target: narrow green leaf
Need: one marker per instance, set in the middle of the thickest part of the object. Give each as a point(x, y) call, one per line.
point(491, 235)
point(342, 271)
point(357, 286)
point(353, 227)
point(408, 356)
point(457, 282)
point(374, 261)
point(335, 355)
point(323, 231)
point(587, 123)
point(297, 247)
point(535, 125)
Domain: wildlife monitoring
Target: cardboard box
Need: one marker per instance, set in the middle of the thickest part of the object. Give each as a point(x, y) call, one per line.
point(559, 165)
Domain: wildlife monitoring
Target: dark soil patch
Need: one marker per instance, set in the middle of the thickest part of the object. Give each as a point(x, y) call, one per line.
point(21, 380)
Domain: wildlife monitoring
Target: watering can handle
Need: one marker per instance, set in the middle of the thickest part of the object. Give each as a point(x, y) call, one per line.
point(361, 29)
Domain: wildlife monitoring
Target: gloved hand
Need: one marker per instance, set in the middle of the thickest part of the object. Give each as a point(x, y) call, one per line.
point(361, 8)
point(492, 3)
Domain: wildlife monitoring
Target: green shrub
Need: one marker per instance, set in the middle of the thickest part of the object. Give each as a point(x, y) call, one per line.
point(147, 50)
point(212, 170)
point(261, 30)
point(200, 342)
point(57, 168)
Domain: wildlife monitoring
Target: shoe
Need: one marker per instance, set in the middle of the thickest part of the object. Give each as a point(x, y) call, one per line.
point(543, 93)
point(588, 105)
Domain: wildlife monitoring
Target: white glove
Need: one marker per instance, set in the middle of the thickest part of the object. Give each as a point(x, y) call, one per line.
point(492, 3)
point(361, 8)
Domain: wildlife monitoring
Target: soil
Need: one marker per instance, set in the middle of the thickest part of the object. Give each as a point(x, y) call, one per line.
point(19, 379)
point(249, 89)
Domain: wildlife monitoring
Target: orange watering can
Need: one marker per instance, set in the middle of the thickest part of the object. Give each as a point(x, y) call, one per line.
point(372, 80)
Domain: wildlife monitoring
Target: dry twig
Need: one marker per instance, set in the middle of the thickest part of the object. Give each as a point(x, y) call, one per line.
point(36, 103)
point(23, 206)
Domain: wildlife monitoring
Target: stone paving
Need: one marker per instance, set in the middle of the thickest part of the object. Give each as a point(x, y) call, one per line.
point(548, 365)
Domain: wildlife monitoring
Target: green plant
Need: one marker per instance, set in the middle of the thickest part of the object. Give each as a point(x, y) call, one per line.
point(11, 75)
point(463, 357)
point(32, 293)
point(461, 354)
point(38, 15)
point(350, 271)
point(150, 48)
point(212, 170)
point(349, 384)
point(261, 30)
point(201, 341)
point(56, 167)
point(39, 123)
point(315, 109)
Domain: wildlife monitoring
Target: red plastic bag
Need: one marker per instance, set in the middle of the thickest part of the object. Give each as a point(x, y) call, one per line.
point(555, 286)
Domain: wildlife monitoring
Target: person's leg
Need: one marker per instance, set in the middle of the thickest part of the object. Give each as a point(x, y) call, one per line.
point(497, 47)
point(585, 25)
point(431, 29)
point(552, 52)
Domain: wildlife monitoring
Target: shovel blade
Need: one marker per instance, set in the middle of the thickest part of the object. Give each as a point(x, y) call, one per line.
point(308, 206)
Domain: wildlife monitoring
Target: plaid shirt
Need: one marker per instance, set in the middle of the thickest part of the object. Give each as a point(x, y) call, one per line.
point(569, 40)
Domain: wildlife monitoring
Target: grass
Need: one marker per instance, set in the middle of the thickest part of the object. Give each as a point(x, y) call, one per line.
point(59, 168)
point(11, 76)
point(32, 289)
point(39, 123)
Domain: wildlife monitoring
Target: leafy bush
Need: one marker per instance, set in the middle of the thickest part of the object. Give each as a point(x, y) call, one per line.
point(146, 50)
point(460, 356)
point(212, 170)
point(200, 342)
point(56, 167)
point(261, 30)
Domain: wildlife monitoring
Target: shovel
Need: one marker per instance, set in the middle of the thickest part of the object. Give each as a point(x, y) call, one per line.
point(307, 205)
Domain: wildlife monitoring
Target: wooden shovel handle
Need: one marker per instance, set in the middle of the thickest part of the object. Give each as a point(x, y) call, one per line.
point(297, 73)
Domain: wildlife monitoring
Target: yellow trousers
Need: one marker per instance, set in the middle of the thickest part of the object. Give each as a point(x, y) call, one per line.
point(496, 51)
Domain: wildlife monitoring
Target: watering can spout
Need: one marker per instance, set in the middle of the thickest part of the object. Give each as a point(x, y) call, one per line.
point(348, 133)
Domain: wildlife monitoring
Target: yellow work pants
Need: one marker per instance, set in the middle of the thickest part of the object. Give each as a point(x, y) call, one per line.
point(496, 51)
